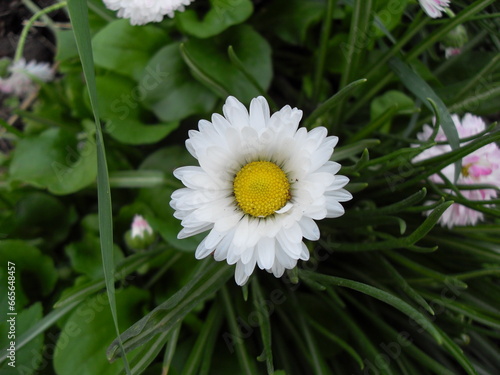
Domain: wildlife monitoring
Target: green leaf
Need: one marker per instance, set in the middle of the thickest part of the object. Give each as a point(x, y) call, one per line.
point(331, 103)
point(169, 89)
point(353, 149)
point(205, 341)
point(90, 329)
point(38, 214)
point(390, 99)
point(39, 327)
point(133, 132)
point(78, 12)
point(247, 367)
point(264, 324)
point(26, 358)
point(401, 282)
point(85, 288)
point(55, 160)
point(379, 294)
point(35, 273)
point(126, 49)
point(167, 315)
point(252, 50)
point(66, 46)
point(336, 339)
point(221, 15)
point(291, 19)
point(388, 16)
point(118, 97)
point(423, 91)
point(85, 256)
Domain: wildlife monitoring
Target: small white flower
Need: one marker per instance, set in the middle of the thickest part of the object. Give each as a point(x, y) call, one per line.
point(140, 227)
point(434, 8)
point(260, 186)
point(479, 167)
point(141, 12)
point(23, 77)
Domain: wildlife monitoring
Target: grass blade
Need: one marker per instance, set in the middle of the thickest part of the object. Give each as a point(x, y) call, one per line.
point(423, 91)
point(246, 364)
point(78, 13)
point(381, 295)
point(264, 324)
point(332, 102)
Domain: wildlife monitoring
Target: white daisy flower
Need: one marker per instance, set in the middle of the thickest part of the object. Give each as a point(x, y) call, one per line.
point(260, 186)
point(434, 8)
point(141, 12)
point(23, 77)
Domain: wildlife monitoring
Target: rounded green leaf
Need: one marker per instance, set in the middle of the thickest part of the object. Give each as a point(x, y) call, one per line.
point(134, 132)
point(126, 49)
point(169, 90)
point(89, 331)
point(34, 272)
point(222, 14)
point(55, 160)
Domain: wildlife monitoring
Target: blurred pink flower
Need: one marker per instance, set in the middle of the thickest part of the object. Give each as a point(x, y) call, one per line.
point(24, 76)
point(434, 8)
point(480, 167)
point(452, 51)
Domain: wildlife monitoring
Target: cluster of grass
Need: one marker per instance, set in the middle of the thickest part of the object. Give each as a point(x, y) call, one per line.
point(387, 290)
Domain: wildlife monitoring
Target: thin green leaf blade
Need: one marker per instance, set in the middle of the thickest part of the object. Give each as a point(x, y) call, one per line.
point(78, 13)
point(424, 92)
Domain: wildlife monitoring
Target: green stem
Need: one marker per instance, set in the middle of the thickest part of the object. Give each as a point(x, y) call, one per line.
point(29, 24)
point(323, 48)
point(35, 9)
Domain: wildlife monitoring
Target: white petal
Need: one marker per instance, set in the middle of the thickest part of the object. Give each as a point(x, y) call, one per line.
point(202, 251)
point(259, 113)
point(266, 252)
point(341, 195)
point(247, 255)
point(334, 208)
point(235, 112)
point(239, 274)
point(223, 248)
point(339, 182)
point(228, 222)
point(304, 254)
point(310, 229)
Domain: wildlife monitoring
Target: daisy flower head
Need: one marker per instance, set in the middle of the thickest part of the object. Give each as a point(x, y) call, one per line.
point(479, 167)
point(434, 8)
point(261, 184)
point(24, 76)
point(141, 12)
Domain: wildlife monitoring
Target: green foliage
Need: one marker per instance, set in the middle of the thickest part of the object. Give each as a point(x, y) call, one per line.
point(388, 289)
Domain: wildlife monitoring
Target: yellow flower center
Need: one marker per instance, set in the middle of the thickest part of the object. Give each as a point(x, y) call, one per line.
point(261, 188)
point(465, 170)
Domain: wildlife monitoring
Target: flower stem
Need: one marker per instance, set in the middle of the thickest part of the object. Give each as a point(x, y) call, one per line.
point(323, 48)
point(27, 27)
